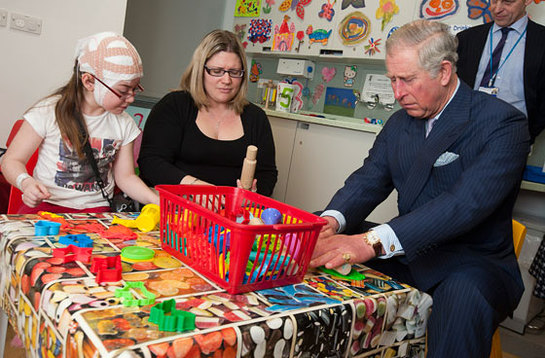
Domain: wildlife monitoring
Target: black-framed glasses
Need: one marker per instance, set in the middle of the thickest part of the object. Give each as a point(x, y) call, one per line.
point(219, 72)
point(122, 95)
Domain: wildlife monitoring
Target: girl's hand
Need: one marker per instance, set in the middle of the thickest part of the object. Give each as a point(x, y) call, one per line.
point(254, 185)
point(34, 192)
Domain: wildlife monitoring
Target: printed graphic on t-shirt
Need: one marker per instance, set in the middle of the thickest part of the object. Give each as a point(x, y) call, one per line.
point(77, 174)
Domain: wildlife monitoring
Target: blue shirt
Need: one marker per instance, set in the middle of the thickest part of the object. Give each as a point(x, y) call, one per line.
point(509, 81)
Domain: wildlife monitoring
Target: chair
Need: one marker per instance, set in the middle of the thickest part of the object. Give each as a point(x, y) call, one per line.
point(519, 233)
point(15, 200)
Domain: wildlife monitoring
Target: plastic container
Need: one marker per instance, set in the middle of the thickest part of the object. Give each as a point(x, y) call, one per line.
point(199, 226)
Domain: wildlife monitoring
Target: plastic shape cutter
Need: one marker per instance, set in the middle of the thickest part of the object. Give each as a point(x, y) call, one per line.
point(79, 240)
point(169, 319)
point(107, 269)
point(128, 298)
point(74, 253)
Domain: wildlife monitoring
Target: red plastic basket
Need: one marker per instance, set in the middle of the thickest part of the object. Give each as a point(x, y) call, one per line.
point(199, 226)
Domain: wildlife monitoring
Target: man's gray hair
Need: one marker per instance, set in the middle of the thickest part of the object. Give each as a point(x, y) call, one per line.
point(433, 39)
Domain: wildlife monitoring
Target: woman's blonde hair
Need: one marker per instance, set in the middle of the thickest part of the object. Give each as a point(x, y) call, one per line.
point(193, 78)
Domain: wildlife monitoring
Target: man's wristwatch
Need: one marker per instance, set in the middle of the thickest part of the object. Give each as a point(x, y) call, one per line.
point(372, 239)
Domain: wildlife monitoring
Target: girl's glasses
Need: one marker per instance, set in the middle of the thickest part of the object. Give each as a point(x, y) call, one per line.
point(122, 95)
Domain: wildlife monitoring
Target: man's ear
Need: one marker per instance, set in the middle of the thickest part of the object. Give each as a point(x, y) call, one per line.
point(88, 82)
point(445, 72)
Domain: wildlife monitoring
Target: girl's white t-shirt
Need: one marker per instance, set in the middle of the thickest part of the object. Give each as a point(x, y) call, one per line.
point(70, 180)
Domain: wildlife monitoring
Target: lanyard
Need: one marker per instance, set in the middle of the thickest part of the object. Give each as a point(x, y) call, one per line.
point(493, 75)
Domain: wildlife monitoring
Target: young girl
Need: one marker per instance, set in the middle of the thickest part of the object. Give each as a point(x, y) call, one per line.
point(89, 108)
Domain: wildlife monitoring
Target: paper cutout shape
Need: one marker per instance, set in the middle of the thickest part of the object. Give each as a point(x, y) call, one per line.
point(247, 8)
point(260, 30)
point(255, 70)
point(320, 36)
point(372, 47)
point(267, 9)
point(298, 5)
point(433, 9)
point(283, 36)
point(357, 4)
point(385, 11)
point(240, 31)
point(479, 8)
point(318, 90)
point(327, 11)
point(297, 103)
point(349, 74)
point(354, 28)
point(328, 73)
point(340, 101)
point(301, 37)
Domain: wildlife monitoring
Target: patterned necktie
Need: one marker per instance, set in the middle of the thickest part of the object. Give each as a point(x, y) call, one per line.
point(496, 56)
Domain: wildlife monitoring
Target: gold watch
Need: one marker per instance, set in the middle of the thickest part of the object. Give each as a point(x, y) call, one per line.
point(372, 239)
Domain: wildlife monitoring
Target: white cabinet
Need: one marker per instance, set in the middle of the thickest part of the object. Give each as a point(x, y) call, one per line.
point(317, 163)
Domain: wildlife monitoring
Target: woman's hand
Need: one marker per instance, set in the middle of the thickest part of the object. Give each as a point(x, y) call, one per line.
point(254, 185)
point(34, 192)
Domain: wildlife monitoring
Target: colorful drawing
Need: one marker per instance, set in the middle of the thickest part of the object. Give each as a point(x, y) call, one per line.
point(386, 10)
point(327, 11)
point(298, 5)
point(320, 36)
point(300, 36)
point(318, 90)
point(340, 101)
point(255, 71)
point(438, 9)
point(328, 73)
point(240, 31)
point(479, 8)
point(260, 30)
point(267, 9)
point(357, 4)
point(283, 35)
point(297, 102)
point(354, 28)
point(372, 47)
point(350, 73)
point(247, 8)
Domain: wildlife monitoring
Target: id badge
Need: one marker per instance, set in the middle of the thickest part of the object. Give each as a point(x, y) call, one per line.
point(493, 91)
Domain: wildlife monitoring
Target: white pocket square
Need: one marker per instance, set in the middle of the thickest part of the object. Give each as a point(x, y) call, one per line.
point(445, 158)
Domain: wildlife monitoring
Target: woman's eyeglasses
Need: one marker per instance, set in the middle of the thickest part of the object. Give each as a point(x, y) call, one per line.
point(122, 95)
point(219, 72)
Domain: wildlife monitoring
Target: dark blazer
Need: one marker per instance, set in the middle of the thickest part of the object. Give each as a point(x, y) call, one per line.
point(470, 48)
point(456, 216)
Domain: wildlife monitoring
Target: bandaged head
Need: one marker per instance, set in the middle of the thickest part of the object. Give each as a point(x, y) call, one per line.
point(111, 58)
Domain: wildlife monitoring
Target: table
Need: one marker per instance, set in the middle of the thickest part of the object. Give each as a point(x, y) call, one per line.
point(60, 310)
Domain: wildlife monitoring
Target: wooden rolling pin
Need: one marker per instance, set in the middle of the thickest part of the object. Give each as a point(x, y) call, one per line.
point(248, 167)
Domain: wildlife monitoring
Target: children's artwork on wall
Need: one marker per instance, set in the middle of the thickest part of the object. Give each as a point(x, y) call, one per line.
point(318, 90)
point(392, 31)
point(240, 31)
point(328, 73)
point(301, 37)
point(434, 9)
point(320, 36)
point(260, 30)
point(357, 4)
point(255, 70)
point(479, 8)
point(354, 28)
point(267, 9)
point(283, 35)
point(350, 73)
point(340, 101)
point(298, 5)
point(372, 47)
point(247, 8)
point(327, 11)
point(385, 11)
point(297, 103)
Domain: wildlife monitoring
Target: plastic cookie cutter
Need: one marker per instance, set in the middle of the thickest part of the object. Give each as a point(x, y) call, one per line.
point(74, 253)
point(46, 227)
point(79, 240)
point(54, 217)
point(147, 220)
point(169, 319)
point(107, 269)
point(137, 254)
point(353, 275)
point(128, 298)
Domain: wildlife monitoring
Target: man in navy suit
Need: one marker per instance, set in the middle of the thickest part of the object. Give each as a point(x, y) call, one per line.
point(520, 77)
point(456, 157)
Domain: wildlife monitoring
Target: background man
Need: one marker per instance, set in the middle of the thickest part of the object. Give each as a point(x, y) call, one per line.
point(519, 74)
point(455, 156)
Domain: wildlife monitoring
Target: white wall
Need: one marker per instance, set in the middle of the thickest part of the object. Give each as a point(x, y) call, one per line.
point(32, 66)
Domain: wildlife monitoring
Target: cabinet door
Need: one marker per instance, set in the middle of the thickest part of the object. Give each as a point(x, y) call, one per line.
point(323, 157)
point(284, 136)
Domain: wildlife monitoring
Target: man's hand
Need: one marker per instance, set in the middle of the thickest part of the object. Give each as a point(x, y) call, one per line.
point(329, 229)
point(335, 250)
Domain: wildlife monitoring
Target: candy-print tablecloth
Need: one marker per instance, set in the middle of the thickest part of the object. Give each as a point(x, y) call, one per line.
point(59, 310)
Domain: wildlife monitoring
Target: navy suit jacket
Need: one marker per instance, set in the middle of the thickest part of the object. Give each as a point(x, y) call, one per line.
point(470, 48)
point(452, 217)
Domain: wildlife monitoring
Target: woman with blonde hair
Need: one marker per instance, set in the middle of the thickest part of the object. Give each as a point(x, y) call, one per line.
point(199, 133)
